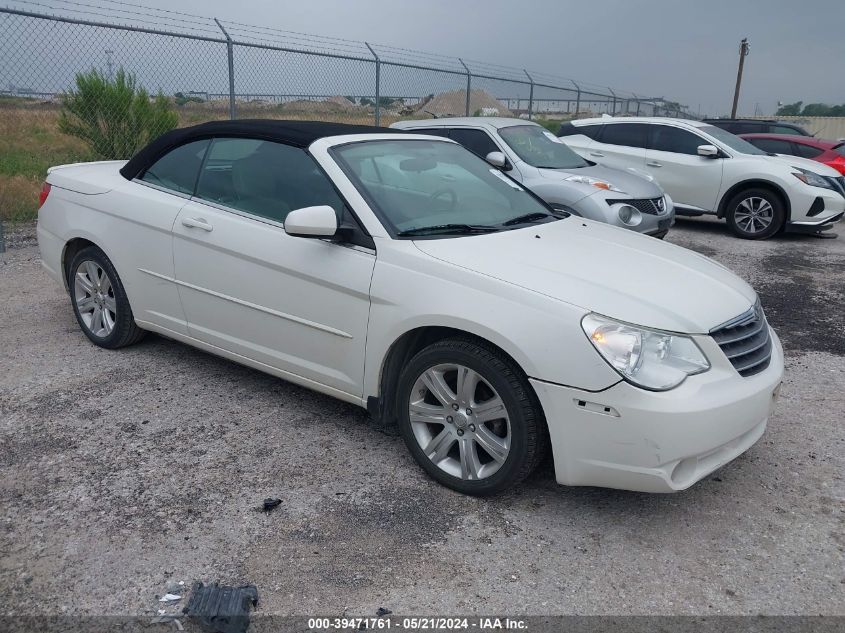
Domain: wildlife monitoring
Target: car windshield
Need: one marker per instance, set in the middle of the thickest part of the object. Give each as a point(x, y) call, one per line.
point(732, 140)
point(437, 188)
point(540, 148)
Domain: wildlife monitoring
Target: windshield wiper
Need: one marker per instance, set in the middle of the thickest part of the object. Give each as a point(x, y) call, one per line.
point(528, 217)
point(448, 228)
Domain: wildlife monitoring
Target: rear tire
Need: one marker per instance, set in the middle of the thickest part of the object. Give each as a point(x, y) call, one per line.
point(99, 300)
point(469, 417)
point(755, 214)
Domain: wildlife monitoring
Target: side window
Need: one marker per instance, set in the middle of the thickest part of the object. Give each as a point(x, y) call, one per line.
point(747, 128)
point(476, 141)
point(179, 168)
point(806, 151)
point(432, 131)
point(590, 131)
point(264, 178)
point(773, 146)
point(567, 129)
point(673, 139)
point(783, 129)
point(626, 134)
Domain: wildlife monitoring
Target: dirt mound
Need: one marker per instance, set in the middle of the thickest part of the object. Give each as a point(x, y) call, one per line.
point(453, 103)
point(332, 105)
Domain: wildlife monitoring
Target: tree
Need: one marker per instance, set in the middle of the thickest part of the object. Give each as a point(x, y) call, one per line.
point(115, 117)
point(811, 109)
point(816, 109)
point(790, 109)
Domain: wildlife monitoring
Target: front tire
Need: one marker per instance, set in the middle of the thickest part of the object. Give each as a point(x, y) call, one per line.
point(755, 214)
point(469, 417)
point(99, 300)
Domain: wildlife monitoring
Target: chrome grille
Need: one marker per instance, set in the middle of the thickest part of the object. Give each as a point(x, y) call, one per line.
point(651, 206)
point(746, 342)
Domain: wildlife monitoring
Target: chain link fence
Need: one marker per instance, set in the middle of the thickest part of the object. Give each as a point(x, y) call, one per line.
point(74, 69)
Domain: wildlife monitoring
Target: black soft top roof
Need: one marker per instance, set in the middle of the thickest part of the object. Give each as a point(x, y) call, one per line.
point(296, 133)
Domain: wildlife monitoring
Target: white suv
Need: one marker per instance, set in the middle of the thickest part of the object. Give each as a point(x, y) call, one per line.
point(708, 170)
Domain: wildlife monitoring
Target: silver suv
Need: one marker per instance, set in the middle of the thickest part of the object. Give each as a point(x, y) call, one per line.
point(540, 161)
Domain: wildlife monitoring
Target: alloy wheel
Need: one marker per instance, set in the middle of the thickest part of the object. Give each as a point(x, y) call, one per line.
point(94, 297)
point(459, 421)
point(754, 215)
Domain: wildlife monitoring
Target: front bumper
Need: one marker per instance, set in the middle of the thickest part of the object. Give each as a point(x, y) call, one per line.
point(633, 439)
point(596, 207)
point(813, 226)
point(806, 217)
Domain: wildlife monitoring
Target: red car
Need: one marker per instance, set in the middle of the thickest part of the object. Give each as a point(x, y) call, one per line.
point(831, 153)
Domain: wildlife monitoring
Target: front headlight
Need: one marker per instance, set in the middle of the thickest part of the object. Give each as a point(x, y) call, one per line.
point(594, 182)
point(812, 179)
point(647, 358)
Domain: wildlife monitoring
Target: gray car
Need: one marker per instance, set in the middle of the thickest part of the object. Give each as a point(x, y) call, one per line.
point(548, 167)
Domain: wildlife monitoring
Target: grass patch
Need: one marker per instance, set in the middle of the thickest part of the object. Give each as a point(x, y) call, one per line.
point(552, 125)
point(31, 143)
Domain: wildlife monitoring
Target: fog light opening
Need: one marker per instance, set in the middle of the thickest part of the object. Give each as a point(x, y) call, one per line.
point(628, 215)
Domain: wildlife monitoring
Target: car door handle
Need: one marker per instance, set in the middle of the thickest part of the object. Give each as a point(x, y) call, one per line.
point(197, 223)
point(597, 154)
point(653, 163)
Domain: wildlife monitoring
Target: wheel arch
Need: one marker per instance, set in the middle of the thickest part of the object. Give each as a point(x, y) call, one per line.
point(69, 251)
point(755, 183)
point(382, 406)
point(75, 244)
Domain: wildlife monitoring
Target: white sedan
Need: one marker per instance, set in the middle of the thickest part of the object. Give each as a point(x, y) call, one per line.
point(401, 273)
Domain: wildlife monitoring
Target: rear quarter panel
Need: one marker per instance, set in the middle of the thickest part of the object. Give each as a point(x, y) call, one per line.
point(132, 224)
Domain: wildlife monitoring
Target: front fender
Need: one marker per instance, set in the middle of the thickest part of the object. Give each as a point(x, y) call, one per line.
point(543, 335)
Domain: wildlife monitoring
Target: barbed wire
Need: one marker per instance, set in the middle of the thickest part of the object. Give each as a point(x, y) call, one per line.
point(120, 13)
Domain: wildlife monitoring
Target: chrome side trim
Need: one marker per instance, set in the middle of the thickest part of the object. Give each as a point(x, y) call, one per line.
point(253, 306)
point(833, 218)
point(172, 192)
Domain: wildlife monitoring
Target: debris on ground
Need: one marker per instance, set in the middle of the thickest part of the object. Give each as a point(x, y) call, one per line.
point(270, 503)
point(221, 609)
point(169, 597)
point(382, 611)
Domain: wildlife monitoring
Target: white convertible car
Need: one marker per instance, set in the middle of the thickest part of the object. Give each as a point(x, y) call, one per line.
point(404, 274)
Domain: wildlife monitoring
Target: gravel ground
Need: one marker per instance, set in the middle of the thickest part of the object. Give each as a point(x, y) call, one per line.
point(123, 473)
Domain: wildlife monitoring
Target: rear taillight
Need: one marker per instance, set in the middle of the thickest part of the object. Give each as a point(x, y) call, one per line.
point(42, 197)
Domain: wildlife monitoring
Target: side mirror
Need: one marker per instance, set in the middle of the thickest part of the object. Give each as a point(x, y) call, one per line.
point(709, 151)
point(498, 159)
point(319, 222)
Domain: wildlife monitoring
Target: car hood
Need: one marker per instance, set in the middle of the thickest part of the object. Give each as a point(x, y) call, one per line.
point(633, 184)
point(805, 163)
point(604, 269)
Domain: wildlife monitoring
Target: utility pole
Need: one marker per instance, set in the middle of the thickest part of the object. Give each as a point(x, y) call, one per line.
point(744, 47)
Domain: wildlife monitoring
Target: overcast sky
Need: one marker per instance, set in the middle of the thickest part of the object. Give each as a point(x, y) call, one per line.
point(685, 50)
